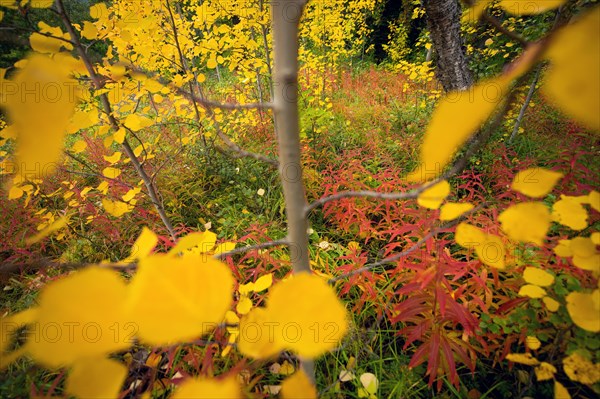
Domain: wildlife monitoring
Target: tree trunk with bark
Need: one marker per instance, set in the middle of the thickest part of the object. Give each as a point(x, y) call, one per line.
point(443, 20)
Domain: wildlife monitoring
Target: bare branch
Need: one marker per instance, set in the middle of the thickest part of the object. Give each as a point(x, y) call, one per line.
point(263, 245)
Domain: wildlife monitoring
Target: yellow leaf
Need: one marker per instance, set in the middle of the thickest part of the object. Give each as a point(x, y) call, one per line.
point(532, 291)
point(433, 197)
point(79, 146)
point(130, 194)
point(55, 226)
point(96, 378)
point(15, 193)
point(89, 31)
point(119, 136)
point(244, 305)
point(136, 122)
point(563, 249)
point(522, 358)
point(81, 316)
point(581, 370)
point(224, 247)
point(309, 325)
point(545, 371)
point(98, 11)
point(526, 222)
point(529, 7)
point(257, 335)
point(595, 237)
point(209, 388)
point(263, 282)
point(211, 63)
point(370, 384)
point(452, 210)
point(298, 386)
point(286, 368)
point(44, 44)
point(116, 208)
point(594, 200)
point(178, 299)
point(560, 392)
point(551, 304)
point(205, 242)
point(584, 310)
point(488, 247)
point(142, 247)
point(573, 80)
point(41, 3)
point(582, 246)
point(446, 133)
point(532, 342)
point(535, 182)
point(111, 173)
point(539, 277)
point(40, 117)
point(568, 211)
point(114, 158)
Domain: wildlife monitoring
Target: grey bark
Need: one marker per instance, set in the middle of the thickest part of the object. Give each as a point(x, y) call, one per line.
point(443, 20)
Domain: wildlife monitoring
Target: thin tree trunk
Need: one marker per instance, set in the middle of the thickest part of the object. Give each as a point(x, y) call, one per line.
point(286, 18)
point(443, 20)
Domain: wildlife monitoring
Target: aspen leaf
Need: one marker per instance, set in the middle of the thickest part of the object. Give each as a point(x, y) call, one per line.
point(55, 226)
point(526, 222)
point(532, 342)
point(568, 211)
point(40, 118)
point(205, 388)
point(211, 63)
point(573, 80)
point(96, 378)
point(263, 282)
point(111, 173)
point(582, 246)
point(488, 247)
point(286, 368)
point(257, 335)
point(433, 197)
point(41, 3)
point(551, 304)
point(537, 276)
point(522, 358)
point(529, 7)
point(89, 31)
point(532, 291)
point(563, 249)
point(98, 11)
point(79, 146)
point(136, 122)
point(446, 133)
point(370, 385)
point(545, 371)
point(142, 247)
point(224, 247)
point(298, 386)
point(15, 193)
point(309, 325)
point(131, 193)
point(116, 208)
point(595, 238)
point(594, 200)
point(178, 299)
point(79, 316)
point(535, 182)
point(560, 392)
point(44, 44)
point(452, 210)
point(244, 305)
point(581, 370)
point(204, 241)
point(114, 158)
point(584, 311)
point(119, 136)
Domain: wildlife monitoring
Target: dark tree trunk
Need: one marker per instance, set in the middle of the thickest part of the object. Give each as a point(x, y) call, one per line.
point(443, 20)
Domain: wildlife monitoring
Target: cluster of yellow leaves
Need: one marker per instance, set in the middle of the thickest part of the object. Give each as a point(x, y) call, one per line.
point(434, 196)
point(90, 314)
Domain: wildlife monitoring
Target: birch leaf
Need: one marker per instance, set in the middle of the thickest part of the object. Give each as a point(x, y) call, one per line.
point(298, 386)
point(535, 182)
point(205, 388)
point(433, 197)
point(96, 378)
point(526, 222)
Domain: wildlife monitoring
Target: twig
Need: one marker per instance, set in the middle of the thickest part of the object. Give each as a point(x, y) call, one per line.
point(268, 244)
point(413, 248)
point(525, 104)
point(487, 17)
